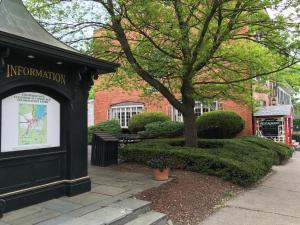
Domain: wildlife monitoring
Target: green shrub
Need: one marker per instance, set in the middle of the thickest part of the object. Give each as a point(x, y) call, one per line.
point(296, 136)
point(241, 161)
point(160, 163)
point(284, 152)
point(219, 124)
point(296, 122)
point(162, 129)
point(109, 126)
point(296, 133)
point(138, 122)
point(90, 134)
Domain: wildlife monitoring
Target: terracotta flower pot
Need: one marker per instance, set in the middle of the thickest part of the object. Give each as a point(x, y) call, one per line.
point(161, 175)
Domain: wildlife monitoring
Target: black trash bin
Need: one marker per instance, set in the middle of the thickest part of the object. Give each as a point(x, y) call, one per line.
point(104, 149)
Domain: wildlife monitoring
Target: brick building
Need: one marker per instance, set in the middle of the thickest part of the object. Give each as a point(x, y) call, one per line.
point(122, 105)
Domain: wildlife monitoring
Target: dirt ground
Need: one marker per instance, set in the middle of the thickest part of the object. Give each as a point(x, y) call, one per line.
point(189, 198)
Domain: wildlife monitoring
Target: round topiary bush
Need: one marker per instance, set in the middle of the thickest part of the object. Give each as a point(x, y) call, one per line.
point(109, 126)
point(162, 129)
point(220, 124)
point(138, 122)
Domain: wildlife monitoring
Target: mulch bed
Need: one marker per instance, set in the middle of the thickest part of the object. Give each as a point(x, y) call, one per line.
point(189, 198)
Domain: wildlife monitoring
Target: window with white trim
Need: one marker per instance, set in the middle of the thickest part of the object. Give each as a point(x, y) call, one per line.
point(124, 111)
point(283, 97)
point(200, 108)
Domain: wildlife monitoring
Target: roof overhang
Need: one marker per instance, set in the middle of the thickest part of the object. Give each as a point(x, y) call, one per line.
point(278, 110)
point(12, 41)
point(20, 31)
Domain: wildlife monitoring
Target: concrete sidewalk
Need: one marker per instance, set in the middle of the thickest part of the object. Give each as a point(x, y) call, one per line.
point(274, 202)
point(109, 186)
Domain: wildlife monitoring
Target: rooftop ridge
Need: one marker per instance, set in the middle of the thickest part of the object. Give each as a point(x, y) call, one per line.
point(17, 20)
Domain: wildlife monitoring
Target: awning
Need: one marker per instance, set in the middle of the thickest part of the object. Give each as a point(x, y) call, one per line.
point(277, 110)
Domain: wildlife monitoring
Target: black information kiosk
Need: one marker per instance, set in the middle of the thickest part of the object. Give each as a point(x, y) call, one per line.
point(44, 87)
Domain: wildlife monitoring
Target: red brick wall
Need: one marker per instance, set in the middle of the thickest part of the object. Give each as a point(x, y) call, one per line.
point(244, 111)
point(263, 97)
point(107, 98)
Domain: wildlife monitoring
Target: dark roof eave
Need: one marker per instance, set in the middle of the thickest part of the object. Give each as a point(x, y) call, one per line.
point(102, 66)
point(270, 115)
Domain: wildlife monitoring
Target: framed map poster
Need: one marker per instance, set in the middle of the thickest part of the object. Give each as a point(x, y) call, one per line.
point(29, 120)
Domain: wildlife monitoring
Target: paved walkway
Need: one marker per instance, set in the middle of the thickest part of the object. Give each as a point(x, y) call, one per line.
point(274, 202)
point(108, 186)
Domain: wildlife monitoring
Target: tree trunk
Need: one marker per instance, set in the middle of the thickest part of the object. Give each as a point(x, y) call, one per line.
point(190, 128)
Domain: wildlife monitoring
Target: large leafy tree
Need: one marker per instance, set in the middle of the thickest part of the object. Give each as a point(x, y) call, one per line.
point(186, 50)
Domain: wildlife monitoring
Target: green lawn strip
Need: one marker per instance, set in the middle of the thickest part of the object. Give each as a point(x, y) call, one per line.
point(241, 161)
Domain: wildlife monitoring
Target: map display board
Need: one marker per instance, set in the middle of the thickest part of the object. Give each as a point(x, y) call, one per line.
point(29, 120)
point(32, 124)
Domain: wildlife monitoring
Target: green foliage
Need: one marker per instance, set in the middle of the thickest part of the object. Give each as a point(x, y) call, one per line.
point(180, 55)
point(296, 122)
point(92, 93)
point(162, 129)
point(161, 162)
point(296, 130)
point(138, 122)
point(219, 124)
point(59, 18)
point(109, 126)
point(241, 161)
point(289, 76)
point(296, 104)
point(296, 136)
point(283, 151)
point(165, 50)
point(228, 194)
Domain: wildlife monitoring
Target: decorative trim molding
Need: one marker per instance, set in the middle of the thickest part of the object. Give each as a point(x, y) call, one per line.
point(42, 186)
point(3, 54)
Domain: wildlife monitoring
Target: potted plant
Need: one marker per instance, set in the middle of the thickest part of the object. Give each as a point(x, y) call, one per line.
point(161, 167)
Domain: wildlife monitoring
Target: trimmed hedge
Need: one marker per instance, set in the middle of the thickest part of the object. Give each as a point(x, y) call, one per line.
point(109, 126)
point(296, 122)
point(296, 136)
point(138, 122)
point(241, 161)
point(220, 124)
point(283, 151)
point(296, 133)
point(162, 129)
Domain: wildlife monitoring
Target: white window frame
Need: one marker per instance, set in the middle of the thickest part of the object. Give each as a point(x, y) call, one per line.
point(115, 112)
point(283, 98)
point(176, 116)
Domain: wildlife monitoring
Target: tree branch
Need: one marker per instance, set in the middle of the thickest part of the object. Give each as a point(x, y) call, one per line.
point(121, 36)
point(250, 77)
